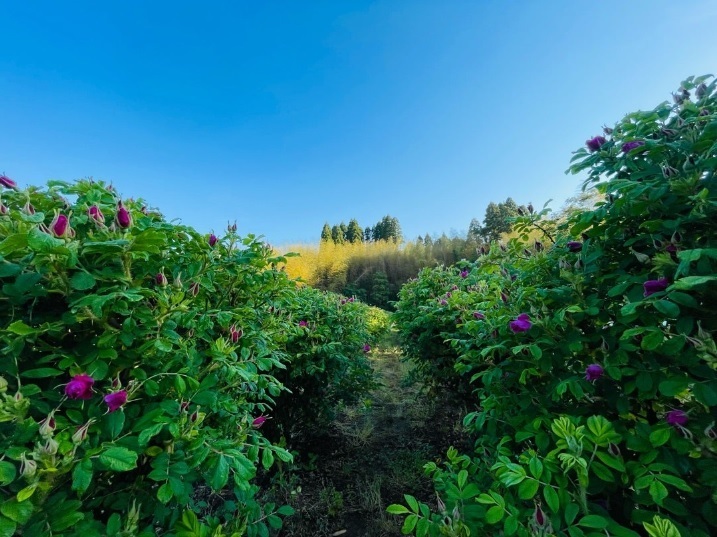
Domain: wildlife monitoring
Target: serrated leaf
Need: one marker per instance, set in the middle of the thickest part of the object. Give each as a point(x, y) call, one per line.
point(409, 524)
point(82, 475)
point(165, 493)
point(119, 459)
point(220, 473)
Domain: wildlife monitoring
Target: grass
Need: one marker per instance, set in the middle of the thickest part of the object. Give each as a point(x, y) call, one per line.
point(372, 455)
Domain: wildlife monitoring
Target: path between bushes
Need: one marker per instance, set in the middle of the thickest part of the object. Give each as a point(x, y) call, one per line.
point(372, 455)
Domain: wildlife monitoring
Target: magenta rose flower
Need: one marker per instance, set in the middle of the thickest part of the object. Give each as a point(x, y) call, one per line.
point(629, 146)
point(574, 246)
point(7, 182)
point(594, 144)
point(521, 324)
point(80, 387)
point(594, 372)
point(655, 286)
point(116, 400)
point(676, 418)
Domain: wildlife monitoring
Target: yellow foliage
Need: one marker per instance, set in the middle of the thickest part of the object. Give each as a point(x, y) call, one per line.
point(325, 265)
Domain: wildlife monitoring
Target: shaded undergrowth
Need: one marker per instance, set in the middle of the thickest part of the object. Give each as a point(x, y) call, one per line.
point(370, 457)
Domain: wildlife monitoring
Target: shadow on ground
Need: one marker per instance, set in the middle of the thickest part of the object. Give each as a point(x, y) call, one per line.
point(372, 455)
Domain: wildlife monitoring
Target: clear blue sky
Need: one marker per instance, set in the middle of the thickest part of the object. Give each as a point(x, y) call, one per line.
point(286, 114)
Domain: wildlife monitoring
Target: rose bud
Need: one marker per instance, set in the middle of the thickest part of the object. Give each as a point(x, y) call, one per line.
point(574, 246)
point(478, 315)
point(676, 418)
point(194, 416)
point(655, 286)
point(194, 289)
point(607, 130)
point(538, 246)
point(28, 467)
point(184, 406)
point(160, 279)
point(115, 400)
point(28, 208)
point(676, 237)
point(704, 112)
point(594, 144)
point(579, 264)
point(701, 90)
point(123, 218)
point(81, 433)
point(7, 182)
point(80, 387)
point(96, 215)
point(531, 210)
point(212, 240)
point(258, 422)
point(613, 449)
point(47, 426)
point(668, 171)
point(50, 447)
point(594, 372)
point(521, 212)
point(629, 146)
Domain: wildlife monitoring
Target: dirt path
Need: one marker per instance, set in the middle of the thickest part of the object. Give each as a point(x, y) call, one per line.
point(373, 455)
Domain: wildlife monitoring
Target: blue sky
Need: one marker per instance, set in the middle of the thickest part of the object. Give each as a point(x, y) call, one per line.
point(282, 115)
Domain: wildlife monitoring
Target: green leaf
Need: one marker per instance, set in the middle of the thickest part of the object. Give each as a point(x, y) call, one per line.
point(13, 243)
point(613, 462)
point(287, 510)
point(551, 498)
point(673, 386)
point(82, 476)
point(658, 491)
point(536, 467)
point(675, 481)
point(82, 281)
point(571, 511)
point(7, 527)
point(7, 473)
point(593, 521)
point(165, 493)
point(528, 489)
point(412, 503)
point(119, 459)
point(19, 512)
point(41, 242)
point(667, 308)
point(690, 282)
point(21, 329)
point(510, 526)
point(659, 437)
point(274, 521)
point(267, 459)
point(41, 372)
point(396, 509)
point(652, 340)
point(705, 393)
point(494, 514)
point(422, 527)
point(26, 493)
point(220, 473)
point(409, 524)
point(462, 478)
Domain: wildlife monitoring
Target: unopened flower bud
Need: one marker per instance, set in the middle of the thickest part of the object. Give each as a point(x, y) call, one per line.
point(527, 253)
point(668, 171)
point(538, 246)
point(18, 397)
point(521, 212)
point(704, 112)
point(81, 433)
point(47, 426)
point(701, 90)
point(676, 237)
point(3, 208)
point(50, 447)
point(194, 416)
point(160, 279)
point(96, 215)
point(178, 281)
point(657, 243)
point(123, 218)
point(194, 289)
point(531, 209)
point(28, 467)
point(212, 240)
point(613, 449)
point(710, 431)
point(184, 405)
point(28, 208)
point(642, 258)
point(607, 130)
point(3, 385)
point(669, 133)
point(539, 516)
point(579, 264)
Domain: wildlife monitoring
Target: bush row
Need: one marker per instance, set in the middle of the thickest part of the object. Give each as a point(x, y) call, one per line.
point(141, 361)
point(588, 354)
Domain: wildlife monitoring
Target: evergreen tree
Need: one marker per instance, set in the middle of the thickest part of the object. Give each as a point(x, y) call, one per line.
point(337, 235)
point(326, 233)
point(380, 289)
point(354, 233)
point(474, 229)
point(368, 234)
point(387, 229)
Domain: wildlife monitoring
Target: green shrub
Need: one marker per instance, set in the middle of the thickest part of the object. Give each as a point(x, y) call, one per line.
point(136, 356)
point(592, 360)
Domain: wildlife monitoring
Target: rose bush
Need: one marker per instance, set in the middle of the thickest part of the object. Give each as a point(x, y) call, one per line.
point(593, 368)
point(137, 356)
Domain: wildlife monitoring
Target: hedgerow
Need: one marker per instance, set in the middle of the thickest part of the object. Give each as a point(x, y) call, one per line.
point(140, 362)
point(590, 352)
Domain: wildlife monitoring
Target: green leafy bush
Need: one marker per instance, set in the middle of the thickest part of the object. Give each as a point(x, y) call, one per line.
point(137, 355)
point(327, 342)
point(590, 353)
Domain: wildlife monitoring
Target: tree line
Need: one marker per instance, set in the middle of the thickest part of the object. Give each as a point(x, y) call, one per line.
point(386, 229)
